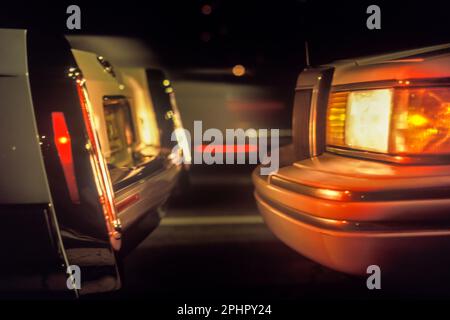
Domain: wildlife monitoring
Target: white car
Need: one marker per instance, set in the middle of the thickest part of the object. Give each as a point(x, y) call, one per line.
point(85, 172)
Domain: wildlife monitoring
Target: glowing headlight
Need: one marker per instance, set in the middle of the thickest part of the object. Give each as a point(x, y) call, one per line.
point(398, 121)
point(368, 118)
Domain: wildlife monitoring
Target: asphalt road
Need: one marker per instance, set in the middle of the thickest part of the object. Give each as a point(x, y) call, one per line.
point(213, 246)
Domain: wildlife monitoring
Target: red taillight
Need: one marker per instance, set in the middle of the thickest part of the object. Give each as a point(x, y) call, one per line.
point(64, 147)
point(101, 173)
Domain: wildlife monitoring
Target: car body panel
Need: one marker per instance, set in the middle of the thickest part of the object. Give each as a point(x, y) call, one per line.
point(152, 192)
point(358, 211)
point(45, 232)
point(354, 252)
point(427, 62)
point(81, 225)
point(32, 250)
point(46, 229)
point(21, 155)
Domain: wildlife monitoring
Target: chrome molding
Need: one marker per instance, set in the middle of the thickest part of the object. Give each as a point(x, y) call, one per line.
point(392, 83)
point(362, 196)
point(351, 226)
point(313, 122)
point(401, 160)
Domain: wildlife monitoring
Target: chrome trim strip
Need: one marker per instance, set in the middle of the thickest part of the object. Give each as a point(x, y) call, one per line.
point(313, 118)
point(392, 83)
point(139, 181)
point(350, 226)
point(405, 160)
point(360, 196)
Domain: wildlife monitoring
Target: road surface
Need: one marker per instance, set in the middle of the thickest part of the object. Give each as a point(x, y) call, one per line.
point(213, 246)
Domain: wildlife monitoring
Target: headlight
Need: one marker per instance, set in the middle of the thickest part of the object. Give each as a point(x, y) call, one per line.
point(367, 119)
point(397, 121)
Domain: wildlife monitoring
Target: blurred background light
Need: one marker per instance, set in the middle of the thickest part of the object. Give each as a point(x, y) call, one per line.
point(238, 70)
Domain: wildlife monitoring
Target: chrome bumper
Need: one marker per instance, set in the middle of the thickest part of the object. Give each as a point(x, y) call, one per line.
point(349, 236)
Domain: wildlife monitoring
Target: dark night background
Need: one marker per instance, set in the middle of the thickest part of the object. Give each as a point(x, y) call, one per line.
point(266, 35)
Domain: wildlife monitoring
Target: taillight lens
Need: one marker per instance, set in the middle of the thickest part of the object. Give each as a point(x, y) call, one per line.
point(63, 145)
point(399, 121)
